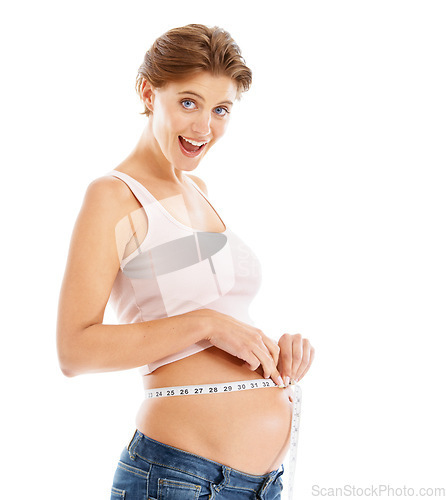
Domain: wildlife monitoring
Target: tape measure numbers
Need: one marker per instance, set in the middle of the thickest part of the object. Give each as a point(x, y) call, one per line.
point(187, 390)
point(242, 385)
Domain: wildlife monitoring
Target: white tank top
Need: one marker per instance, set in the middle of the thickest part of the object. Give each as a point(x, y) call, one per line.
point(177, 269)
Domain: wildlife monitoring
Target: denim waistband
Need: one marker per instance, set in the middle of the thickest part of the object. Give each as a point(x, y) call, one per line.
point(219, 474)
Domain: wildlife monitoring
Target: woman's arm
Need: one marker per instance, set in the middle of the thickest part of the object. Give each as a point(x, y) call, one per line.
point(84, 344)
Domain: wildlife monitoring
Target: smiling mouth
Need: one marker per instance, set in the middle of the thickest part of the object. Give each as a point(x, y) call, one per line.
point(191, 148)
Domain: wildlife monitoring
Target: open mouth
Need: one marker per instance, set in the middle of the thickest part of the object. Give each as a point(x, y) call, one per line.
point(189, 147)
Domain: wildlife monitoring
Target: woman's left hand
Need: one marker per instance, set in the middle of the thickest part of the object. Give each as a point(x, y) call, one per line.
point(295, 357)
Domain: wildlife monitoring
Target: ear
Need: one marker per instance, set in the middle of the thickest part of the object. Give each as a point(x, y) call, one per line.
point(148, 94)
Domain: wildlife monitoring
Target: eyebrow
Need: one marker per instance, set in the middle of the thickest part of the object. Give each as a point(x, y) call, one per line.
point(200, 97)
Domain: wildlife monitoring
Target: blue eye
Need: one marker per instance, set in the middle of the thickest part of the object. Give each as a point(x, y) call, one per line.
point(223, 109)
point(187, 103)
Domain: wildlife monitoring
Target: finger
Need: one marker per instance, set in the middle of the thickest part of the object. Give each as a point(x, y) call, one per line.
point(308, 365)
point(279, 363)
point(249, 355)
point(286, 356)
point(268, 364)
point(286, 381)
point(298, 350)
point(305, 359)
point(252, 361)
point(265, 359)
point(273, 348)
point(275, 375)
point(258, 354)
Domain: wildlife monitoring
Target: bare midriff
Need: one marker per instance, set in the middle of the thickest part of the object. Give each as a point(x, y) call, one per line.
point(247, 430)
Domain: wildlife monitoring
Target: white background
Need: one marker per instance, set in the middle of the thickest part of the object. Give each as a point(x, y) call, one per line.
point(332, 170)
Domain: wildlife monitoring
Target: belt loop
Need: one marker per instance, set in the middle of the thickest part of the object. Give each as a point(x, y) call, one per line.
point(217, 487)
point(132, 444)
point(280, 472)
point(263, 488)
point(268, 480)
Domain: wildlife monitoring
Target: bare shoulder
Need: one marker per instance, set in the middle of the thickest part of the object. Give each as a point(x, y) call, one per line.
point(108, 188)
point(111, 196)
point(200, 182)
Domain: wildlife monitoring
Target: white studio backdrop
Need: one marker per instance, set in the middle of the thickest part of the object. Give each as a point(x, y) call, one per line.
point(332, 170)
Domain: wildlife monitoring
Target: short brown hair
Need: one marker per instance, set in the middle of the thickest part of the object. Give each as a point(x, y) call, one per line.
point(181, 52)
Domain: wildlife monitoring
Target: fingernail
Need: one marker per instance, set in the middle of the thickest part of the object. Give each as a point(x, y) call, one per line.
point(279, 378)
point(287, 381)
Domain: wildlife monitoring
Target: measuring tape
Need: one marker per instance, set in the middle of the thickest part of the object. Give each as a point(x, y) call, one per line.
point(243, 385)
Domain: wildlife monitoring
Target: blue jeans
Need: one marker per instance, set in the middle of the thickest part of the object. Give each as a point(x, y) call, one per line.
point(150, 470)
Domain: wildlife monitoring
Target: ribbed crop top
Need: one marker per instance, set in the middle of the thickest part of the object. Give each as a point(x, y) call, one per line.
point(177, 269)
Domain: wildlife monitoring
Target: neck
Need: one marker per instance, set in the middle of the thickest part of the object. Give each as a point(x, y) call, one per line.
point(148, 156)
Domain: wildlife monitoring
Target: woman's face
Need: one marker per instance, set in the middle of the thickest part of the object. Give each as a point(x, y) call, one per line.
point(196, 109)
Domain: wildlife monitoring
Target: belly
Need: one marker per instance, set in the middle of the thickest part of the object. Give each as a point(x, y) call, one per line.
point(248, 430)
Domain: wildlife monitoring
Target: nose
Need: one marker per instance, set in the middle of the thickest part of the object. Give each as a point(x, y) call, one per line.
point(202, 124)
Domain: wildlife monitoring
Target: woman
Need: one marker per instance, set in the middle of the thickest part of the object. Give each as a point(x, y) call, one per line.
point(180, 280)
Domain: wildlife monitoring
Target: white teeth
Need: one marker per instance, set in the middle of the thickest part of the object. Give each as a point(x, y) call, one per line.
point(194, 142)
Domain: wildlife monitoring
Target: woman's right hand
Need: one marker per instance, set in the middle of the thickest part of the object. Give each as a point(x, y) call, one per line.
point(244, 341)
